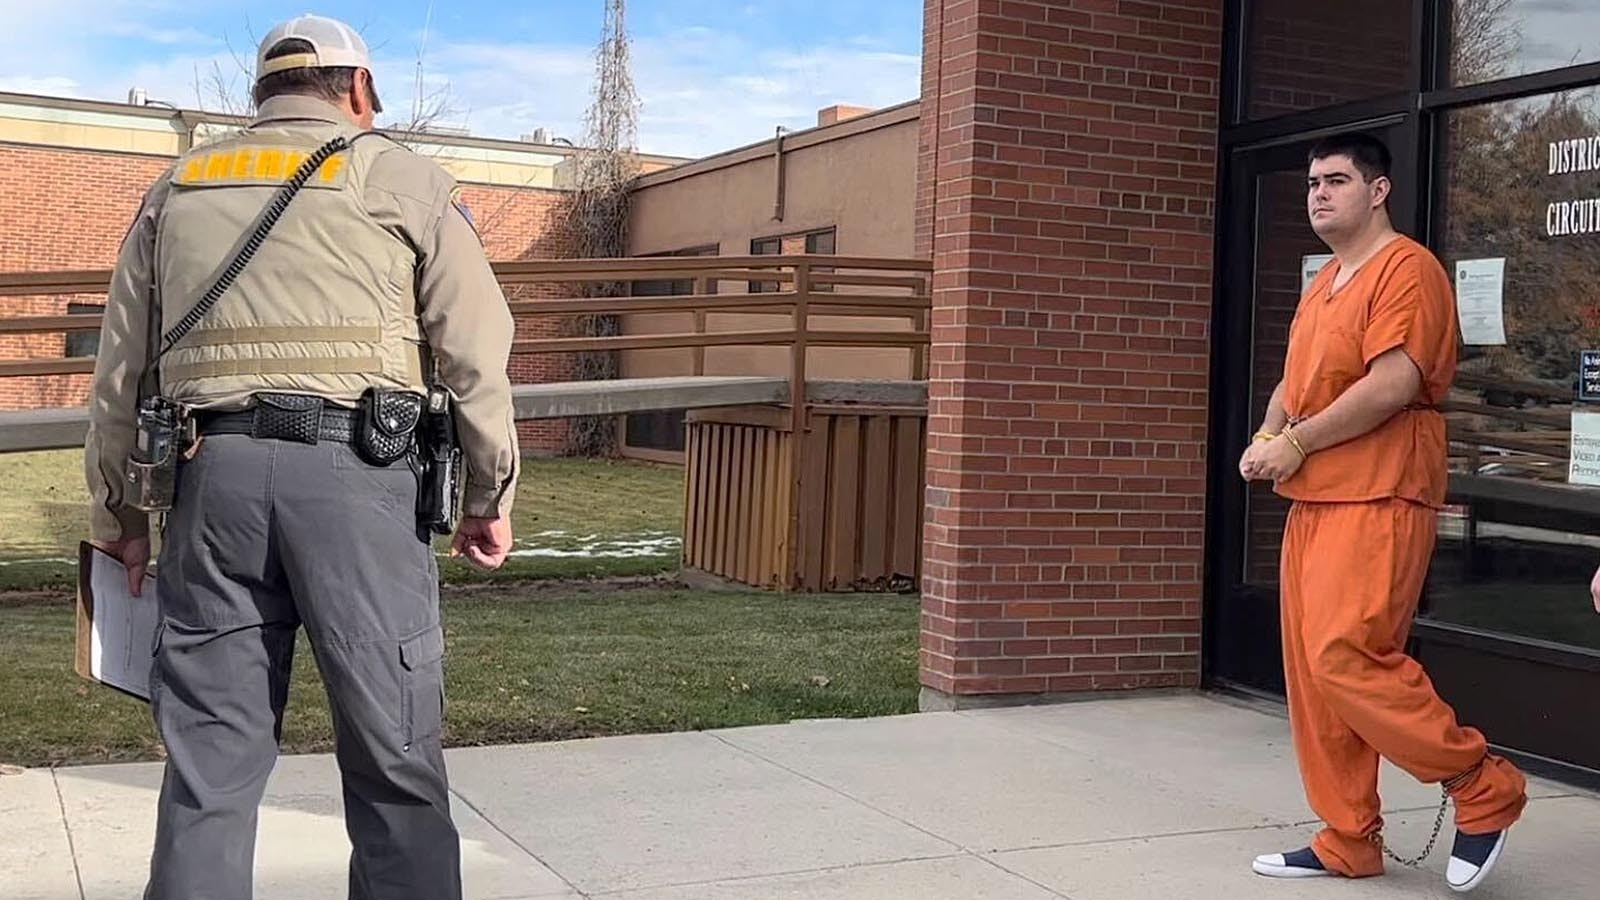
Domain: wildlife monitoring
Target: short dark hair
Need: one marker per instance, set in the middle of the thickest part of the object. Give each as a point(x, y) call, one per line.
point(328, 83)
point(1370, 155)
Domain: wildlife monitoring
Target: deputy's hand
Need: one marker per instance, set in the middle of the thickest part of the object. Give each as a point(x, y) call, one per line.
point(1594, 590)
point(135, 556)
point(484, 542)
point(1277, 460)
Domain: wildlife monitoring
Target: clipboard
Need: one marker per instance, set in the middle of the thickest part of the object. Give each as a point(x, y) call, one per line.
point(116, 631)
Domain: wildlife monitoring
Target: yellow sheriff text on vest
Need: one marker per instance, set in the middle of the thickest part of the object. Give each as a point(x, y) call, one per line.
point(255, 164)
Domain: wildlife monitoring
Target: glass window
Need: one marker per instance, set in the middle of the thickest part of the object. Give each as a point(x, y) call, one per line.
point(677, 287)
point(813, 242)
point(765, 247)
point(1521, 210)
point(820, 242)
point(1302, 55)
point(83, 343)
point(656, 430)
point(1492, 39)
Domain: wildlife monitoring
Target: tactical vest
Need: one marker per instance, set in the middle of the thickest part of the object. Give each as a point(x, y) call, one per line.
point(327, 304)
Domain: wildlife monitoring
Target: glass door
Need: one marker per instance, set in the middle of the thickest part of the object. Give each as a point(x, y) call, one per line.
point(1269, 257)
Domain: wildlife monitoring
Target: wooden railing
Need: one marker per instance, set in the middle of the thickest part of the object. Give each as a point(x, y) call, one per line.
point(806, 287)
point(1510, 445)
point(800, 300)
point(1534, 443)
point(799, 297)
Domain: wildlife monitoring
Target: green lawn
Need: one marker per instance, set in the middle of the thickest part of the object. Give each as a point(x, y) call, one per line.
point(573, 519)
point(554, 654)
point(525, 663)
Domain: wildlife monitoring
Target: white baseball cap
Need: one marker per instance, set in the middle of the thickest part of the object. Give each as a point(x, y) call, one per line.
point(333, 43)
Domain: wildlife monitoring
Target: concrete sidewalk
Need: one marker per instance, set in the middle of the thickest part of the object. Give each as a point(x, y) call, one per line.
point(1135, 799)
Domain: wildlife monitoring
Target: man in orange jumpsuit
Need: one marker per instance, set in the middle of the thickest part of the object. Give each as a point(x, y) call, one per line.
point(1353, 436)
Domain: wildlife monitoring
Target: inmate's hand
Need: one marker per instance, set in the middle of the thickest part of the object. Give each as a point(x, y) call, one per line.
point(1594, 590)
point(1250, 462)
point(484, 542)
point(1277, 460)
point(135, 556)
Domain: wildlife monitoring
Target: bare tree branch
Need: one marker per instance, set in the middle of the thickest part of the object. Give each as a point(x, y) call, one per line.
point(1484, 40)
point(232, 93)
point(607, 165)
point(429, 109)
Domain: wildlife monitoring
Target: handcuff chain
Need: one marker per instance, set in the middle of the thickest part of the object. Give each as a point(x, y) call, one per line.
point(1438, 826)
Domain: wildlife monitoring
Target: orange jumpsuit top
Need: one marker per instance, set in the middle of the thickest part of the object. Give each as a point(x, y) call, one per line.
point(1401, 298)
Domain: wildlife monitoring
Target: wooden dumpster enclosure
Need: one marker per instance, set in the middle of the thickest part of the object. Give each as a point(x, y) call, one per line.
point(859, 521)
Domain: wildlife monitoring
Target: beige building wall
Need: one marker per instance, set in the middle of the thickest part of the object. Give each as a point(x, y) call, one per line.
point(856, 177)
point(93, 125)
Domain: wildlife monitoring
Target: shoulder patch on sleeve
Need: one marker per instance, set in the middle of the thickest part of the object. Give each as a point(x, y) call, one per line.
point(460, 204)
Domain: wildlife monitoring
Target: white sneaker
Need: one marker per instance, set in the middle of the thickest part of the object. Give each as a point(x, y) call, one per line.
point(1472, 857)
point(1300, 863)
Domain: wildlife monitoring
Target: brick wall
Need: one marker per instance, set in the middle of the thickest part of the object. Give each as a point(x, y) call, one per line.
point(44, 391)
point(1072, 243)
point(60, 210)
point(68, 209)
point(529, 224)
point(1305, 55)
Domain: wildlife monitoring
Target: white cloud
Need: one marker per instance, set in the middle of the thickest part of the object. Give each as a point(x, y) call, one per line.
point(140, 31)
point(48, 85)
point(82, 48)
point(702, 90)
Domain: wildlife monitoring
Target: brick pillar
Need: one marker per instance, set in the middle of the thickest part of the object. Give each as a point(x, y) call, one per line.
point(1073, 144)
point(929, 123)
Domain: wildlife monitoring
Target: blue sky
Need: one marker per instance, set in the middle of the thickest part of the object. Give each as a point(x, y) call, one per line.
point(712, 74)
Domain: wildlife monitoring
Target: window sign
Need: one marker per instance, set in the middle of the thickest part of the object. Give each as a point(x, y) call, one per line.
point(1310, 265)
point(1589, 376)
point(1480, 295)
point(1571, 216)
point(1585, 465)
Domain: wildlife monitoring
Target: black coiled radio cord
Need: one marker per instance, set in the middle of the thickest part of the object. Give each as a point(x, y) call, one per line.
point(269, 218)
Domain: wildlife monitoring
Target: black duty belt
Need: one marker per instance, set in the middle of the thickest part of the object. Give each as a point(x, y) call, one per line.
point(284, 417)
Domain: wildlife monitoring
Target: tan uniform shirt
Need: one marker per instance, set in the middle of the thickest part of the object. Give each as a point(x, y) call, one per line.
point(459, 312)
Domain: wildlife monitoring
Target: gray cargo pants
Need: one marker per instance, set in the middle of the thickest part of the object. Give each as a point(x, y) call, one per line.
point(266, 536)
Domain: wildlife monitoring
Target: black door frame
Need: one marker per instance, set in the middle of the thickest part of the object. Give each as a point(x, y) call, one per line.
point(1244, 148)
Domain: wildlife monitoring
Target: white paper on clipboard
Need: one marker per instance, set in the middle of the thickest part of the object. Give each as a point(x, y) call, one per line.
point(116, 630)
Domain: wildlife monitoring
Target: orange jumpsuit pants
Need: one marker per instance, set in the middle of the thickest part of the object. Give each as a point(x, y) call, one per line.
point(1351, 578)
